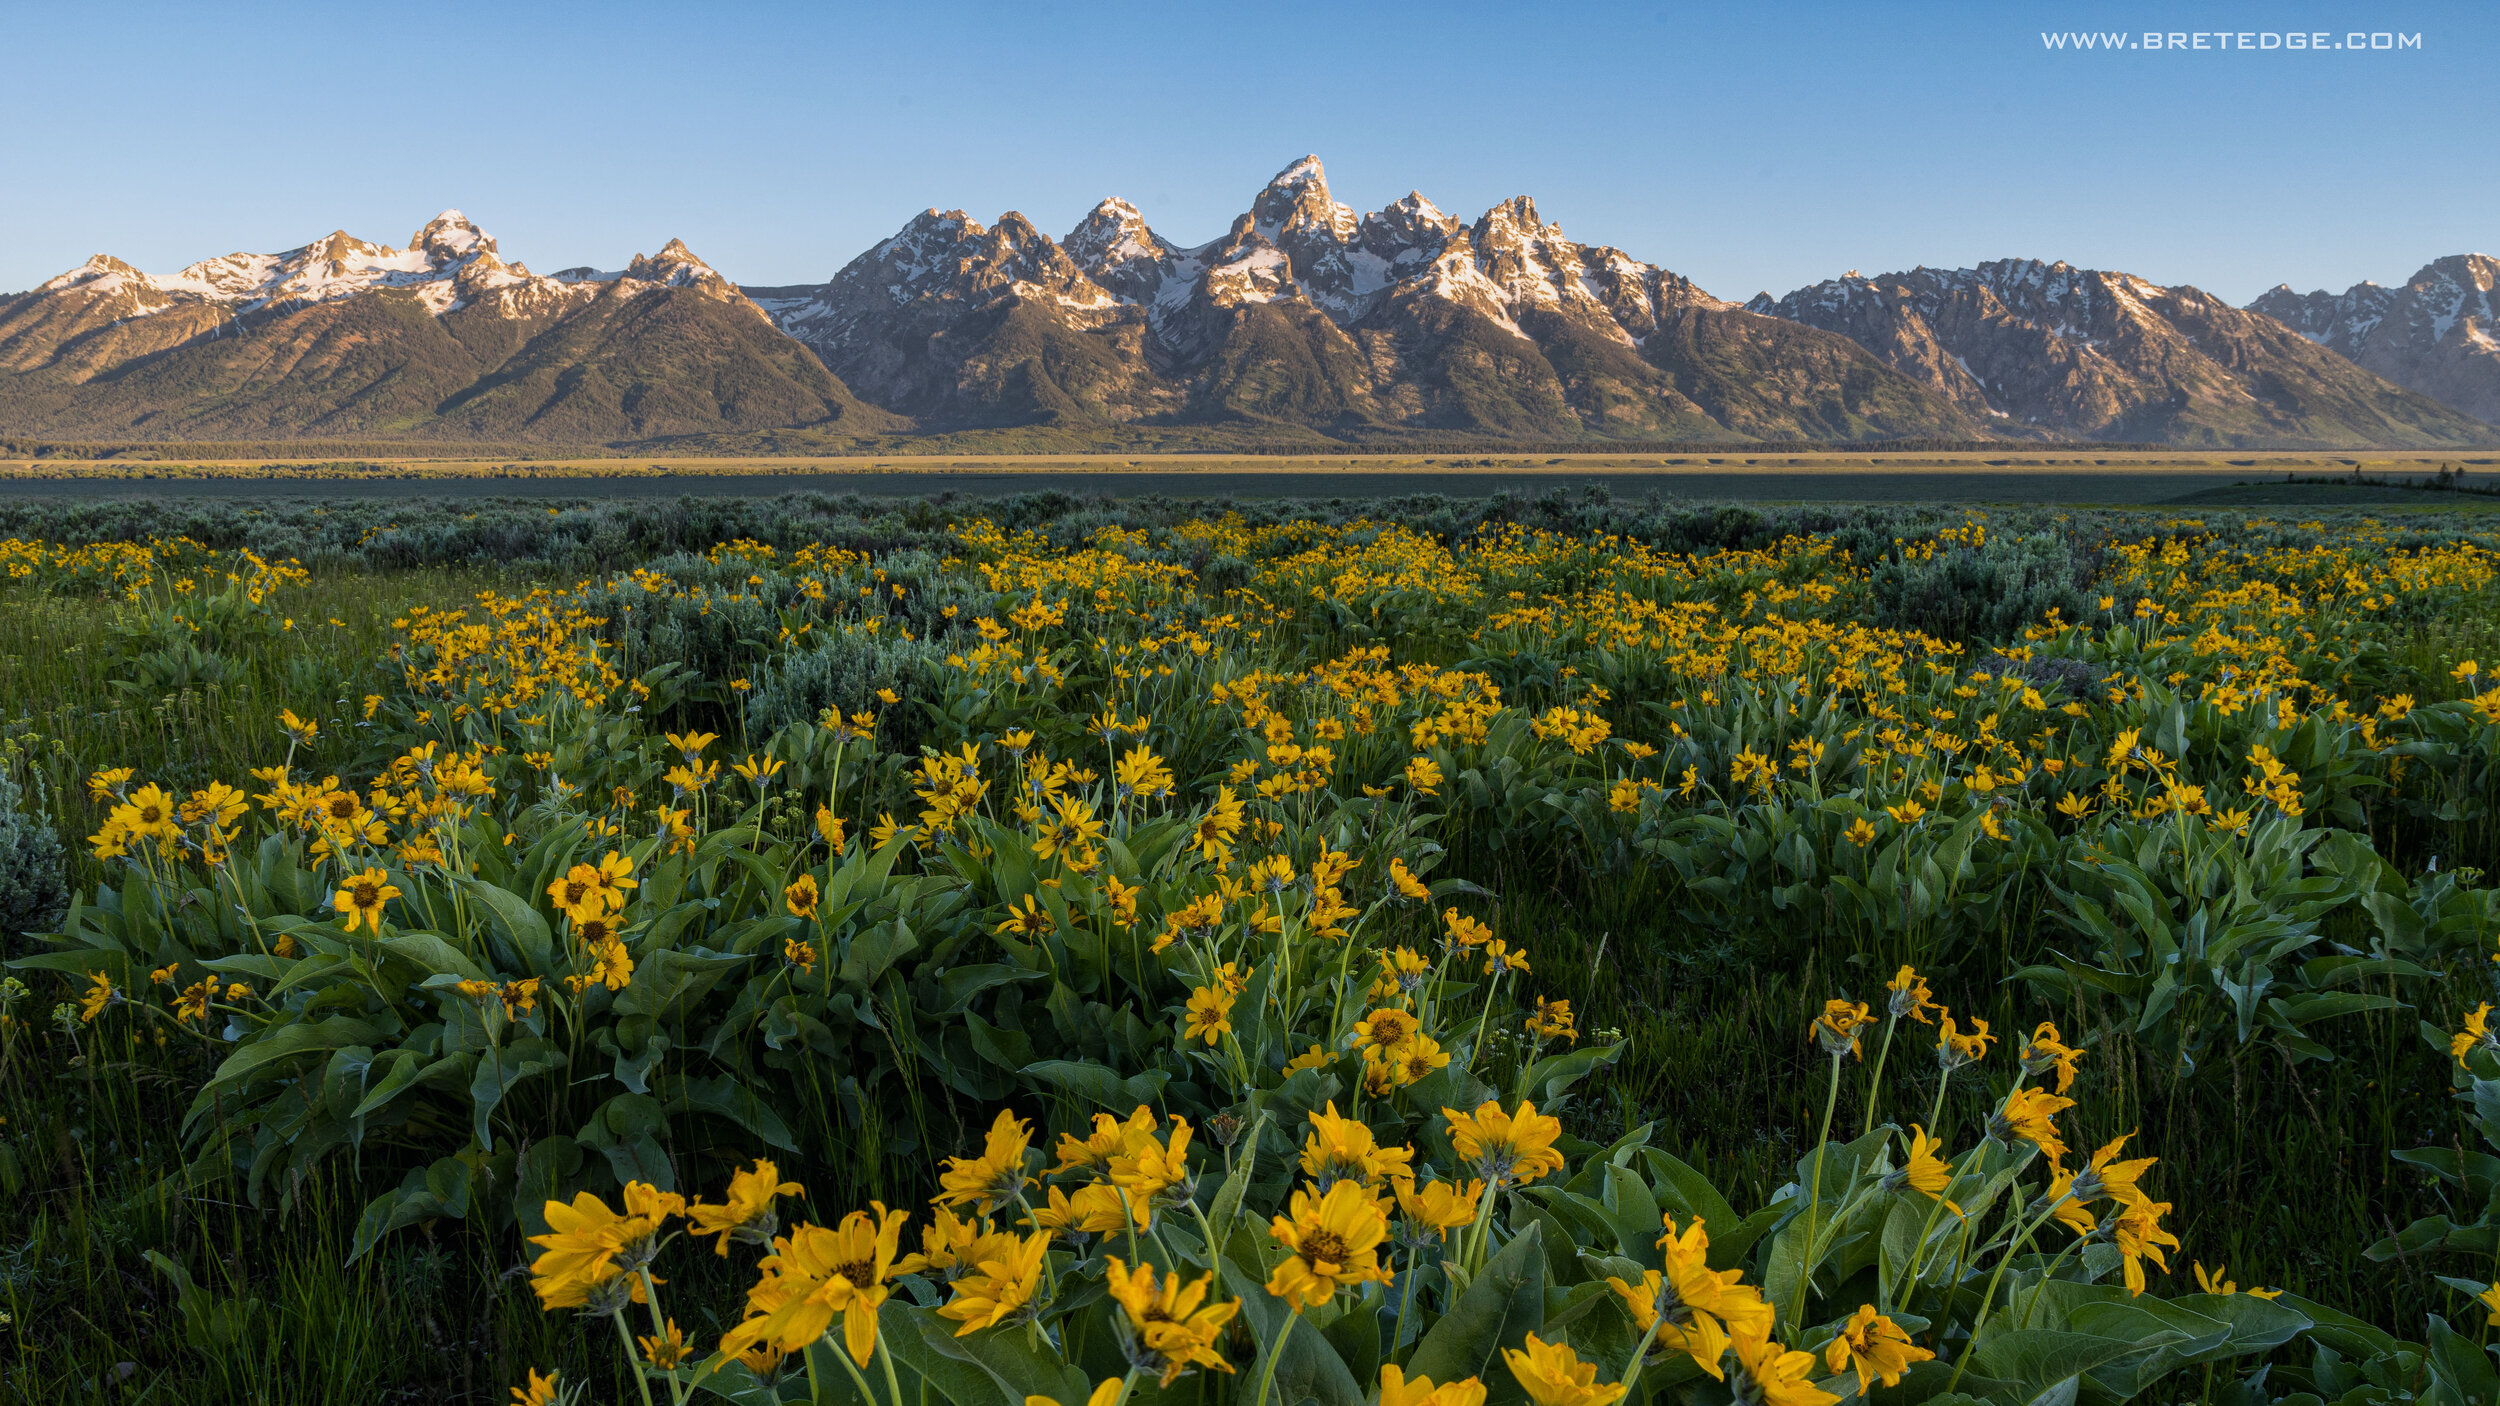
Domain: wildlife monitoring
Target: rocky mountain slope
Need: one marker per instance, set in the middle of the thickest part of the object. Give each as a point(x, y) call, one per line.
point(1305, 313)
point(2439, 334)
point(2056, 351)
point(441, 338)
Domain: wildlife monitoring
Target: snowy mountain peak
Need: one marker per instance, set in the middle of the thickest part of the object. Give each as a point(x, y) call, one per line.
point(450, 236)
point(1296, 202)
point(449, 264)
point(1116, 249)
point(97, 269)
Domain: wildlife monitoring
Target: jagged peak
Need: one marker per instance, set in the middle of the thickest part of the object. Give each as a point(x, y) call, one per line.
point(451, 235)
point(1303, 174)
point(675, 265)
point(1415, 206)
point(1520, 209)
point(1297, 199)
point(1016, 229)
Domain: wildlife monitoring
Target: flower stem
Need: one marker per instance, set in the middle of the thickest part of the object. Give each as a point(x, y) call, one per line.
point(1875, 1081)
point(1814, 1200)
point(1406, 1300)
point(1640, 1356)
point(1987, 1296)
point(1276, 1350)
point(633, 1362)
point(659, 1331)
point(842, 1354)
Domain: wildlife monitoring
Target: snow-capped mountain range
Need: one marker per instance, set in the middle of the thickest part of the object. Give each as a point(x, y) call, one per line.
point(1307, 313)
point(1304, 319)
point(2438, 333)
point(449, 264)
point(2051, 350)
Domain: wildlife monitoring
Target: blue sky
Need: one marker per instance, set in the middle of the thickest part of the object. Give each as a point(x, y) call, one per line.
point(1747, 147)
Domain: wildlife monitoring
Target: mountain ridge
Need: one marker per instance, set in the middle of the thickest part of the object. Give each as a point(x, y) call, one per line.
point(1304, 312)
point(1306, 321)
point(2049, 349)
point(441, 339)
point(2438, 333)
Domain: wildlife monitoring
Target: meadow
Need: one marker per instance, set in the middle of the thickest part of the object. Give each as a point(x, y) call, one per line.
point(1550, 948)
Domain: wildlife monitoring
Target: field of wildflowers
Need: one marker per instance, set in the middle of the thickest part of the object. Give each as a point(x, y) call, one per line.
point(1369, 955)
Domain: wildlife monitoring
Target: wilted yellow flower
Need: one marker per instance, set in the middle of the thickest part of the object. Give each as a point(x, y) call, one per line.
point(746, 1212)
point(2030, 1114)
point(1552, 1021)
point(1001, 1283)
point(1777, 1376)
point(1910, 997)
point(1506, 1149)
point(1954, 1049)
point(800, 897)
point(1110, 1136)
point(1168, 1328)
point(1097, 1208)
point(994, 1178)
point(2476, 1032)
point(2046, 1052)
point(1553, 1375)
point(2218, 1285)
point(1397, 1390)
point(1923, 1171)
point(1838, 1027)
point(1439, 1205)
point(1344, 1148)
point(2139, 1236)
point(1874, 1347)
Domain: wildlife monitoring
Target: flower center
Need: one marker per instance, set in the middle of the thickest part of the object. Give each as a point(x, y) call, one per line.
point(1324, 1246)
point(861, 1273)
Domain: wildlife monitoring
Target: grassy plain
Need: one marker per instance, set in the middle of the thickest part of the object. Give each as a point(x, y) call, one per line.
point(2070, 477)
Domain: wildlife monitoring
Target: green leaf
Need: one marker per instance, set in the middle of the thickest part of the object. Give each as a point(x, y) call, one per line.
point(723, 1096)
point(521, 925)
point(999, 1365)
point(1099, 1085)
point(871, 952)
point(496, 1074)
point(1504, 1304)
point(2041, 1358)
